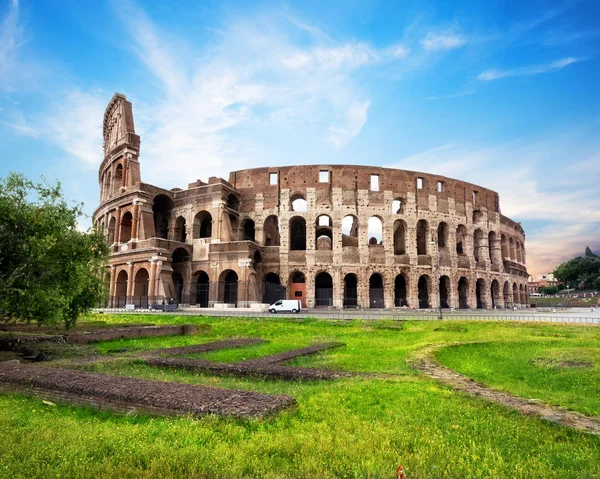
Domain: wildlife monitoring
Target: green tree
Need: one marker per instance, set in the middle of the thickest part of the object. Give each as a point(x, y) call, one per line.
point(589, 253)
point(581, 269)
point(50, 271)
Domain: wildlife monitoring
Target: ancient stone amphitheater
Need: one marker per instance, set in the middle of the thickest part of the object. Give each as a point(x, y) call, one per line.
point(330, 235)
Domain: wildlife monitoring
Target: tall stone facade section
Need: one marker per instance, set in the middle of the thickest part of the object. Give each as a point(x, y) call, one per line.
point(330, 235)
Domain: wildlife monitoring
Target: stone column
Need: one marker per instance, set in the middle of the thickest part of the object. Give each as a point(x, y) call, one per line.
point(134, 223)
point(130, 281)
point(152, 281)
point(117, 225)
point(413, 290)
point(111, 286)
point(338, 288)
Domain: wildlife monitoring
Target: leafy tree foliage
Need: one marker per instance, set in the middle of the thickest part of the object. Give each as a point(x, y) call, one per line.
point(581, 269)
point(49, 270)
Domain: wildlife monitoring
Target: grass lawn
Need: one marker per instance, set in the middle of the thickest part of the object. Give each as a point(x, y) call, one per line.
point(356, 427)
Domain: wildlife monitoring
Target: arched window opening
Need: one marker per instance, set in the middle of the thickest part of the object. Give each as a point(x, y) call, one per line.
point(350, 291)
point(180, 231)
point(463, 293)
point(461, 238)
point(477, 243)
point(422, 237)
point(112, 224)
point(398, 206)
point(350, 231)
point(202, 289)
point(257, 259)
point(180, 255)
point(126, 222)
point(400, 237)
point(233, 202)
point(118, 179)
point(272, 289)
point(299, 204)
point(375, 230)
point(271, 231)
point(376, 291)
point(162, 207)
point(297, 233)
point(323, 290)
point(177, 291)
point(515, 294)
point(442, 235)
point(400, 291)
point(229, 287)
point(492, 246)
point(202, 225)
point(424, 287)
point(479, 293)
point(444, 291)
point(248, 233)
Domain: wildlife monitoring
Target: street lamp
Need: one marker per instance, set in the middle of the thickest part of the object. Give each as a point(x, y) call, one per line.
point(437, 270)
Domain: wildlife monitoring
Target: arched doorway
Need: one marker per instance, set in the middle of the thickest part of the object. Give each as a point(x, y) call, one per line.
point(162, 207)
point(495, 290)
point(323, 290)
point(444, 291)
point(202, 227)
point(350, 291)
point(120, 297)
point(515, 294)
point(463, 293)
point(248, 230)
point(400, 291)
point(479, 292)
point(376, 291)
point(112, 224)
point(140, 288)
point(506, 293)
point(424, 286)
point(298, 287)
point(126, 222)
point(272, 289)
point(177, 291)
point(202, 289)
point(180, 232)
point(229, 285)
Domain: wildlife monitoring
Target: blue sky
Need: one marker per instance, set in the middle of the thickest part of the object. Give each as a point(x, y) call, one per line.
point(502, 94)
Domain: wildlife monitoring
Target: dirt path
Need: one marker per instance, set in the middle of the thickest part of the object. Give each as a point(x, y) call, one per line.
point(425, 361)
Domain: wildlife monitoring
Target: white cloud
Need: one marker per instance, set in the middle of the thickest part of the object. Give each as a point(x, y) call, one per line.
point(494, 74)
point(10, 40)
point(443, 40)
point(530, 190)
point(260, 72)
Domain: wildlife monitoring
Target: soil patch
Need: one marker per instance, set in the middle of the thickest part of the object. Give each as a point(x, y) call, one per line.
point(558, 363)
point(124, 394)
point(452, 328)
point(205, 347)
point(425, 362)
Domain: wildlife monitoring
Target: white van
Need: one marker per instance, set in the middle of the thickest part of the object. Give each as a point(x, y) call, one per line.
point(535, 295)
point(286, 306)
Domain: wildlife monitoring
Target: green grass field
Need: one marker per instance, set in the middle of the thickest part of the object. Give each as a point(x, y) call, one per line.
point(356, 427)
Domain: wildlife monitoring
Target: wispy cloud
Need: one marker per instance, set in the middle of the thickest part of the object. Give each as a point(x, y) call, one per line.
point(10, 40)
point(448, 39)
point(494, 74)
point(259, 72)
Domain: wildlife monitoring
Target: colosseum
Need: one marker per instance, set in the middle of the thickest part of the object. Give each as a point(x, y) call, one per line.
point(337, 236)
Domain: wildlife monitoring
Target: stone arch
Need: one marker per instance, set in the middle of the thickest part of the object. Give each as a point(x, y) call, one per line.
point(463, 293)
point(522, 296)
point(350, 291)
point(140, 287)
point(444, 285)
point(271, 231)
point(233, 202)
point(272, 289)
point(442, 235)
point(248, 230)
point(400, 290)
point(422, 237)
point(323, 289)
point(399, 237)
point(112, 224)
point(297, 282)
point(376, 291)
point(178, 285)
point(515, 289)
point(480, 289)
point(126, 224)
point(179, 231)
point(492, 238)
point(257, 259)
point(162, 207)
point(350, 231)
point(424, 289)
point(324, 233)
point(118, 178)
point(398, 206)
point(495, 293)
point(375, 230)
point(297, 233)
point(461, 238)
point(298, 203)
point(228, 290)
point(477, 242)
point(202, 227)
point(121, 289)
point(202, 293)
